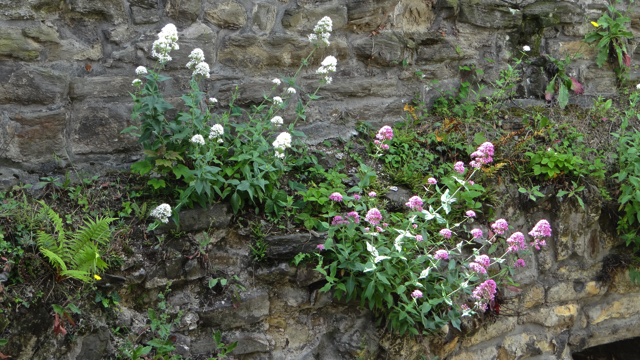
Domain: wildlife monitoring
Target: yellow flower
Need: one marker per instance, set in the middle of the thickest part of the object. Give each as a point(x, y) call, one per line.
point(97, 277)
point(595, 24)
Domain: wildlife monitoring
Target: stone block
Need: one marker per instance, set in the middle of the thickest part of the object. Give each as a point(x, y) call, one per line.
point(72, 49)
point(414, 15)
point(288, 246)
point(141, 15)
point(358, 87)
point(622, 307)
point(552, 317)
point(550, 13)
point(569, 291)
point(248, 343)
point(42, 33)
point(34, 85)
point(493, 14)
point(112, 10)
point(13, 43)
point(101, 87)
point(250, 51)
point(228, 15)
point(489, 353)
point(304, 19)
point(263, 17)
point(381, 49)
point(215, 216)
point(184, 12)
point(502, 326)
point(34, 137)
point(147, 4)
point(532, 297)
point(91, 347)
point(368, 15)
point(523, 345)
point(293, 296)
point(95, 128)
point(253, 307)
point(280, 274)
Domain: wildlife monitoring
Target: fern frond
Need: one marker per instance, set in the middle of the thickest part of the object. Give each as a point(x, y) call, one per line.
point(97, 231)
point(76, 274)
point(54, 259)
point(46, 241)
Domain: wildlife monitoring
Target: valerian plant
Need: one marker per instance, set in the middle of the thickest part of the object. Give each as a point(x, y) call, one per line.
point(208, 155)
point(408, 273)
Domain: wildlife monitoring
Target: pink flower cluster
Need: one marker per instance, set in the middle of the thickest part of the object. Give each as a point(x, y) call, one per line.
point(481, 264)
point(540, 230)
point(446, 233)
point(441, 254)
point(416, 294)
point(516, 242)
point(373, 194)
point(459, 167)
point(471, 213)
point(356, 196)
point(500, 226)
point(336, 196)
point(432, 181)
point(338, 220)
point(484, 293)
point(373, 216)
point(477, 233)
point(415, 203)
point(482, 155)
point(385, 133)
point(519, 263)
point(418, 237)
point(354, 215)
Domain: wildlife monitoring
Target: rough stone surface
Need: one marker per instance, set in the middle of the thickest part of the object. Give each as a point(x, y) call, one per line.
point(287, 246)
point(253, 307)
point(264, 17)
point(215, 216)
point(228, 15)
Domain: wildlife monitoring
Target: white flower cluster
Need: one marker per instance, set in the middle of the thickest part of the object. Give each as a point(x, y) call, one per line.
point(283, 141)
point(277, 120)
point(213, 100)
point(322, 30)
point(216, 132)
point(276, 81)
point(291, 91)
point(136, 82)
point(202, 69)
point(167, 41)
point(196, 62)
point(197, 139)
point(277, 100)
point(141, 70)
point(526, 48)
point(196, 57)
point(162, 212)
point(327, 67)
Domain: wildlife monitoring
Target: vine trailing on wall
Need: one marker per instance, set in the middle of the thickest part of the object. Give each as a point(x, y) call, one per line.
point(206, 156)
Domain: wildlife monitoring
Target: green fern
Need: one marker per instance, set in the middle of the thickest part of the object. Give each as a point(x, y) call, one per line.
point(75, 255)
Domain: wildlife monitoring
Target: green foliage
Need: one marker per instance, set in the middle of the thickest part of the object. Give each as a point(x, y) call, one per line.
point(629, 178)
point(222, 350)
point(75, 255)
point(532, 193)
point(561, 83)
point(611, 33)
point(550, 163)
point(573, 193)
point(259, 249)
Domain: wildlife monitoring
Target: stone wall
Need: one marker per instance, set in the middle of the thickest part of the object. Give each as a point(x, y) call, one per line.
point(66, 66)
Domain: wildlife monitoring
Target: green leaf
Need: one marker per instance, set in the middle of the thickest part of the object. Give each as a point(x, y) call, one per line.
point(141, 167)
point(156, 183)
point(563, 96)
point(235, 202)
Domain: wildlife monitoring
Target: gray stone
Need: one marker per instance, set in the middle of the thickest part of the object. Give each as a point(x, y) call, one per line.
point(321, 131)
point(275, 275)
point(92, 347)
point(440, 52)
point(96, 127)
point(415, 15)
point(550, 13)
point(183, 11)
point(194, 269)
point(368, 15)
point(148, 4)
point(121, 34)
point(34, 137)
point(100, 87)
point(228, 15)
point(305, 19)
point(253, 307)
point(112, 10)
point(264, 17)
point(215, 216)
point(42, 33)
point(307, 275)
point(72, 49)
point(141, 15)
point(399, 198)
point(288, 246)
point(293, 297)
point(381, 49)
point(33, 85)
point(138, 276)
point(14, 44)
point(489, 14)
point(249, 343)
